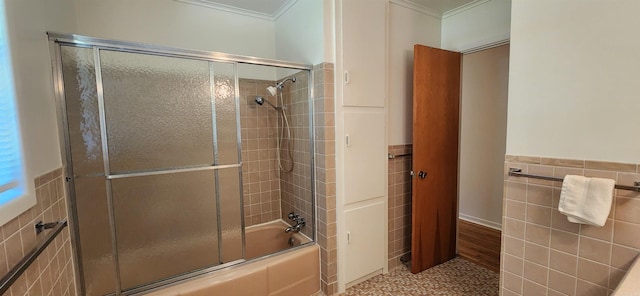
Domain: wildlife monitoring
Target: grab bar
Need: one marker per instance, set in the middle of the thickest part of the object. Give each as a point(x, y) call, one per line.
point(516, 172)
point(22, 266)
point(392, 156)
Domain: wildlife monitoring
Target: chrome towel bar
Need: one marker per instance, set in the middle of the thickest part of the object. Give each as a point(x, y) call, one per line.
point(22, 266)
point(392, 156)
point(516, 172)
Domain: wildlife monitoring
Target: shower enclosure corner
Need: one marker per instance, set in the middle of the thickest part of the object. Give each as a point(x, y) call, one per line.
point(170, 158)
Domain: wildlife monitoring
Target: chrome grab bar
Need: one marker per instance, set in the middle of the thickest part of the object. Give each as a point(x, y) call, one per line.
point(22, 266)
point(392, 156)
point(516, 172)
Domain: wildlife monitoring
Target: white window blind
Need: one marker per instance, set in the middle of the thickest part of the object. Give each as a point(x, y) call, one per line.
point(11, 183)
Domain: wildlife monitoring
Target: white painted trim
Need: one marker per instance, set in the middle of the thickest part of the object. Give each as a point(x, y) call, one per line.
point(486, 46)
point(417, 7)
point(241, 11)
point(463, 8)
point(284, 9)
point(483, 222)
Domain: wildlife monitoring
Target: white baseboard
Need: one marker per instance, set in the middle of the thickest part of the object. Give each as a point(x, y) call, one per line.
point(483, 222)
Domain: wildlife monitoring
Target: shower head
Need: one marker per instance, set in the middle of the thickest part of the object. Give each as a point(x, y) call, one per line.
point(261, 100)
point(273, 90)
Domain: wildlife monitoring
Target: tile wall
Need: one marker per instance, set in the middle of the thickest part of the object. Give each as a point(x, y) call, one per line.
point(543, 253)
point(260, 179)
point(399, 205)
point(325, 160)
point(52, 273)
point(296, 184)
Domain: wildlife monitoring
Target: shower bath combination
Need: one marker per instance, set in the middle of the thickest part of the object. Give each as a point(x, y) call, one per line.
point(283, 123)
point(175, 156)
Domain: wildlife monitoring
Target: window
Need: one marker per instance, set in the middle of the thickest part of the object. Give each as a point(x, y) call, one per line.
point(12, 185)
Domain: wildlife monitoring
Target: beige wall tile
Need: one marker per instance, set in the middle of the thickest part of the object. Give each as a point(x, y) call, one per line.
point(593, 272)
point(610, 166)
point(513, 246)
point(538, 215)
point(535, 273)
point(561, 172)
point(558, 162)
point(627, 209)
point(627, 234)
point(514, 228)
point(622, 257)
point(589, 289)
point(596, 250)
point(515, 209)
point(516, 191)
point(536, 253)
point(513, 264)
point(601, 174)
point(512, 282)
point(537, 234)
point(615, 276)
point(562, 282)
point(563, 262)
point(540, 195)
point(506, 292)
point(628, 179)
point(531, 288)
point(604, 233)
point(523, 159)
point(554, 293)
point(540, 170)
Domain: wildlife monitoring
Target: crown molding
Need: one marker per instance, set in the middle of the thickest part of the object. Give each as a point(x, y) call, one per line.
point(242, 11)
point(463, 8)
point(417, 7)
point(486, 46)
point(284, 8)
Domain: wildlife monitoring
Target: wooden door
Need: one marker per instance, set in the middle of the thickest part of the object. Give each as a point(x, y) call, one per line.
point(436, 100)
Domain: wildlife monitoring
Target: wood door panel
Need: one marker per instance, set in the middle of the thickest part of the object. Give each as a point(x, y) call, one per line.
point(436, 100)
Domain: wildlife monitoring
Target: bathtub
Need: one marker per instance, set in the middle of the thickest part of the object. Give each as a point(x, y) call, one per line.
point(295, 272)
point(268, 238)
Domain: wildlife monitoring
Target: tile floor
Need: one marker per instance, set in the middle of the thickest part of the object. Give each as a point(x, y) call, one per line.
point(455, 277)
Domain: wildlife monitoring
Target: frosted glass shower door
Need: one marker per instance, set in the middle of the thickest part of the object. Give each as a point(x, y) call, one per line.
point(159, 124)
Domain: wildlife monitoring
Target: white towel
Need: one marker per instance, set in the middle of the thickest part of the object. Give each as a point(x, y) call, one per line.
point(586, 200)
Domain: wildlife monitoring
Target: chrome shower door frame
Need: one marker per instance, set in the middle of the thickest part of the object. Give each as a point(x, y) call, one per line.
point(56, 40)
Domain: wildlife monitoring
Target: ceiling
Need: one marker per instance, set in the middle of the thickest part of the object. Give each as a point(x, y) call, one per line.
point(272, 9)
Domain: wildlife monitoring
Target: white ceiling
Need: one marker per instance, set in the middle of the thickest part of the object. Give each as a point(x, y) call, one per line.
point(272, 9)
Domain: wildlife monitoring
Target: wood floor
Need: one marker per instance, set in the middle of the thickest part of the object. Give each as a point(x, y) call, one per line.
point(479, 244)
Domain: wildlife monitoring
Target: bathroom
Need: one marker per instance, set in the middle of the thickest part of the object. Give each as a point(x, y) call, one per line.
point(553, 105)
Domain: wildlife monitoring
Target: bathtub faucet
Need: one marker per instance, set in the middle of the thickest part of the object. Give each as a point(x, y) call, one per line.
point(299, 223)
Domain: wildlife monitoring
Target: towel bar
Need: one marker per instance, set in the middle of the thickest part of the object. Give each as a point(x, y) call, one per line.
point(21, 267)
point(392, 156)
point(516, 172)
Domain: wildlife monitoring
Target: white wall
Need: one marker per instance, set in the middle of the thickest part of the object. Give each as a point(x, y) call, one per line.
point(483, 132)
point(477, 25)
point(176, 24)
point(27, 22)
point(406, 28)
point(299, 33)
point(573, 83)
